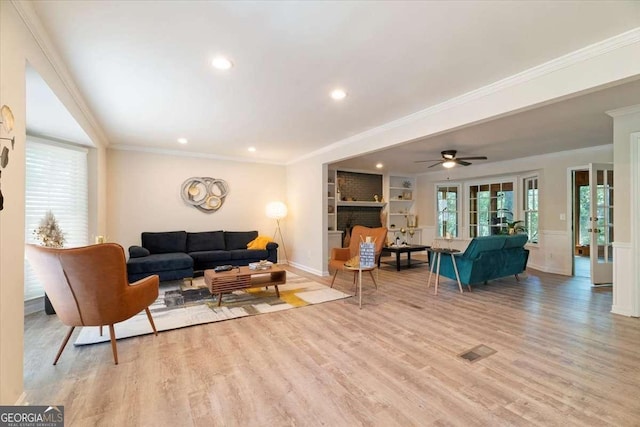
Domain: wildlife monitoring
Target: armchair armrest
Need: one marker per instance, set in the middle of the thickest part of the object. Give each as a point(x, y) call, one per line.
point(272, 245)
point(142, 293)
point(340, 254)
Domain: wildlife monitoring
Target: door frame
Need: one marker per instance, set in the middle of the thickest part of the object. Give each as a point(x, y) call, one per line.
point(570, 218)
point(597, 269)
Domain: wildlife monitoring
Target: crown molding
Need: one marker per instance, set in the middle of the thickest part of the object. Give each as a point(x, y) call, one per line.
point(588, 52)
point(164, 151)
point(625, 111)
point(34, 25)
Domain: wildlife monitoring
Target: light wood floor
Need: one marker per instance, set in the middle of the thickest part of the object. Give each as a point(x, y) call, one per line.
point(562, 359)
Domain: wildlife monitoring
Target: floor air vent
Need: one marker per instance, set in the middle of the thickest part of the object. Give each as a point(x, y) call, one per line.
point(476, 353)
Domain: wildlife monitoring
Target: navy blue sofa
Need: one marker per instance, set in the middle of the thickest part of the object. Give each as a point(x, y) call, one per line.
point(175, 255)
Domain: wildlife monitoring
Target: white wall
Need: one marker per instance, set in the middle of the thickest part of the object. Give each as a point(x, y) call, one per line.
point(554, 250)
point(18, 45)
point(144, 195)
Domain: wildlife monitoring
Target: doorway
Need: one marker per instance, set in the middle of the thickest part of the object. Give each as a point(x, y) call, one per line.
point(581, 204)
point(592, 223)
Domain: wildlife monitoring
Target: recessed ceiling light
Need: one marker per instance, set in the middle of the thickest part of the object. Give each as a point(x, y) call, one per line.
point(252, 149)
point(338, 94)
point(379, 165)
point(182, 140)
point(221, 63)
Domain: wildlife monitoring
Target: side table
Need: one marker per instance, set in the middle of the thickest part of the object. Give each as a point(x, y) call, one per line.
point(437, 254)
point(358, 271)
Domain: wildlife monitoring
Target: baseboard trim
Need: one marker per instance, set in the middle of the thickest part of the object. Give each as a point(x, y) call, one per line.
point(615, 309)
point(34, 305)
point(22, 400)
point(305, 268)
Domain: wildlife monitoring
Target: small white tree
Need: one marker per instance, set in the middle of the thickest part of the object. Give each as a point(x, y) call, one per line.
point(49, 233)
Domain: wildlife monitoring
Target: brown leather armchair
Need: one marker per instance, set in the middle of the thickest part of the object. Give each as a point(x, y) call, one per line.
point(88, 286)
point(359, 234)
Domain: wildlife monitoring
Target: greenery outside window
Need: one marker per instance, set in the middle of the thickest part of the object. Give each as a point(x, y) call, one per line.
point(490, 208)
point(448, 207)
point(530, 207)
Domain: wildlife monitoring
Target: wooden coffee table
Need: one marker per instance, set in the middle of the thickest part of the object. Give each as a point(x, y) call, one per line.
point(243, 278)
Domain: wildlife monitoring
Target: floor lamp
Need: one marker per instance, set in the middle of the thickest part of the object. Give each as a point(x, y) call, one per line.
point(277, 211)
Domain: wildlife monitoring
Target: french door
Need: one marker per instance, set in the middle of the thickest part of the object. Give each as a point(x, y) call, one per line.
point(601, 222)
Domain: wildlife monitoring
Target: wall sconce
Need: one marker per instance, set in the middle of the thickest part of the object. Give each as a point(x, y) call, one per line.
point(7, 123)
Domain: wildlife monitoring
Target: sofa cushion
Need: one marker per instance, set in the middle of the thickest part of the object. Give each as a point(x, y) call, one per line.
point(238, 239)
point(138, 251)
point(515, 241)
point(167, 242)
point(159, 262)
point(205, 241)
point(483, 244)
point(206, 257)
point(250, 254)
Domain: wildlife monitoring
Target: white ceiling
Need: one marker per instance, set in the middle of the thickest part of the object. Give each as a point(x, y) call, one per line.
point(143, 68)
point(47, 116)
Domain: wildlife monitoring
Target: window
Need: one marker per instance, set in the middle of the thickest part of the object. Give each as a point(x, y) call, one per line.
point(447, 203)
point(530, 207)
point(56, 180)
point(490, 208)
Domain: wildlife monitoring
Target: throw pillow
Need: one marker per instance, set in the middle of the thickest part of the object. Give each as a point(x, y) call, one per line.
point(138, 252)
point(259, 242)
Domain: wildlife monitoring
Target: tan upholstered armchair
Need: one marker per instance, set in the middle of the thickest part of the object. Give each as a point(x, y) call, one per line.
point(88, 286)
point(359, 234)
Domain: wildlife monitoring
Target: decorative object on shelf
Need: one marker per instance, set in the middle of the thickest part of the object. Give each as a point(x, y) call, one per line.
point(406, 195)
point(375, 197)
point(49, 233)
point(406, 184)
point(278, 211)
point(383, 216)
point(331, 209)
point(204, 193)
point(7, 120)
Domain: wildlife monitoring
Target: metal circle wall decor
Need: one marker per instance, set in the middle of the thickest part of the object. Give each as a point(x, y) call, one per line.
point(204, 193)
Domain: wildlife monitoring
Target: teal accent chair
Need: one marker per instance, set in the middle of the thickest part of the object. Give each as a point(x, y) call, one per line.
point(487, 258)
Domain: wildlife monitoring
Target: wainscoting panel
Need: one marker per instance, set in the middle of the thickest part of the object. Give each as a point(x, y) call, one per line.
point(555, 252)
point(624, 288)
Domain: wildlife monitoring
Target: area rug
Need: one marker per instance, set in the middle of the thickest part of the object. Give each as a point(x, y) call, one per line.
point(180, 304)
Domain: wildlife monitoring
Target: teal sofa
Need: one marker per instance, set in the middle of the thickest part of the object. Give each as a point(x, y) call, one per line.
point(487, 258)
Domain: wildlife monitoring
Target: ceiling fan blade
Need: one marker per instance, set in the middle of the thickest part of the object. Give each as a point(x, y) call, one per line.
point(424, 161)
point(473, 158)
point(461, 162)
point(436, 164)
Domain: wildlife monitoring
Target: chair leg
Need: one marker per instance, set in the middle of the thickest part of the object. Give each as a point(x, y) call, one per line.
point(373, 278)
point(64, 343)
point(100, 330)
point(153, 325)
point(517, 278)
point(114, 348)
point(334, 277)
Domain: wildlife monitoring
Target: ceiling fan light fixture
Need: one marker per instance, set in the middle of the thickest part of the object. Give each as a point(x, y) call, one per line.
point(448, 164)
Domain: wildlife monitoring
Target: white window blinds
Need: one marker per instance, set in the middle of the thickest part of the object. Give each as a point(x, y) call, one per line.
point(56, 180)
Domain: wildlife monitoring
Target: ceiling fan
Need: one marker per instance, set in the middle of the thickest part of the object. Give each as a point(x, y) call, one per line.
point(449, 159)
